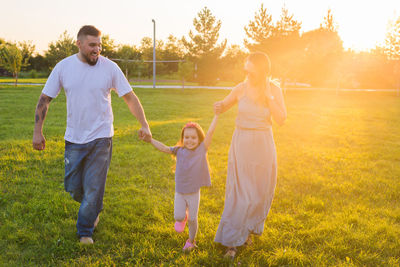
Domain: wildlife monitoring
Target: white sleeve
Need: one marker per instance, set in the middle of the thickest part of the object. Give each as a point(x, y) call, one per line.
point(120, 83)
point(53, 85)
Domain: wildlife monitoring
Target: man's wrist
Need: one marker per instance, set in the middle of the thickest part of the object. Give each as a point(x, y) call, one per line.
point(37, 131)
point(145, 125)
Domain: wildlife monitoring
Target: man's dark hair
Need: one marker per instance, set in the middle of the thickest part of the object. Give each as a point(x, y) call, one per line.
point(88, 30)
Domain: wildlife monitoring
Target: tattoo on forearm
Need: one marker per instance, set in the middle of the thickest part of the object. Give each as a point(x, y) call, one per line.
point(41, 108)
point(40, 104)
point(44, 111)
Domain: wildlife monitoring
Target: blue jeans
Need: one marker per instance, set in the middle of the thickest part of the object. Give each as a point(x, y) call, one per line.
point(86, 167)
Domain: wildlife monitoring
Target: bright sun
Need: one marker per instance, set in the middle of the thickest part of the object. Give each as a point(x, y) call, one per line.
point(363, 26)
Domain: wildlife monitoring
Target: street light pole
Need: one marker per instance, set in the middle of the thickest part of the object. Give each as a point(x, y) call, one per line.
point(154, 53)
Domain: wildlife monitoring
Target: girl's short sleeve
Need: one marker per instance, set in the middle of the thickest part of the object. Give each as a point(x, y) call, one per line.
point(202, 148)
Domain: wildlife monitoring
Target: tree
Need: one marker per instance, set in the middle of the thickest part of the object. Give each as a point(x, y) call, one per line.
point(329, 23)
point(232, 64)
point(185, 71)
point(172, 50)
point(146, 50)
point(2, 70)
point(13, 57)
point(392, 47)
point(286, 47)
point(202, 47)
point(108, 47)
point(38, 63)
point(323, 52)
point(287, 25)
point(373, 69)
point(65, 46)
point(259, 30)
point(127, 55)
point(392, 42)
point(27, 49)
point(281, 41)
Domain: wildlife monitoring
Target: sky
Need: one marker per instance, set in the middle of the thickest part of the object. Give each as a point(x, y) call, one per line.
point(362, 24)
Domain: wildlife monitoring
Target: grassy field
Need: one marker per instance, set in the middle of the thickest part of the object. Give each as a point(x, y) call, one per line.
point(164, 81)
point(22, 80)
point(336, 201)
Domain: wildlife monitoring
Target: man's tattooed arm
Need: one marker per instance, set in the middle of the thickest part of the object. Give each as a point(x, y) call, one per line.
point(39, 141)
point(41, 109)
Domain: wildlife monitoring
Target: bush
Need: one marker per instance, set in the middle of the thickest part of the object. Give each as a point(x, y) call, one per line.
point(33, 74)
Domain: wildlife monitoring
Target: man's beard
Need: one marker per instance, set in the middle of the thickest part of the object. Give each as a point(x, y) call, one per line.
point(89, 61)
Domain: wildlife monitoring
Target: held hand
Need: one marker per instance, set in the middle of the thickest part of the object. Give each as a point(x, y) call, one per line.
point(218, 106)
point(268, 91)
point(38, 142)
point(145, 134)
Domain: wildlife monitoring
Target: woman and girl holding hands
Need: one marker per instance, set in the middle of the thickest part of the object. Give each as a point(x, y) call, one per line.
point(252, 163)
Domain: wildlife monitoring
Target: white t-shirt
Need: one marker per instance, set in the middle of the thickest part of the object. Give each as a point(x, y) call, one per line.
point(88, 91)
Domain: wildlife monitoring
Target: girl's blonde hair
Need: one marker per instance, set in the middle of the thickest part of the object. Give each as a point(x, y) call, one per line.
point(199, 131)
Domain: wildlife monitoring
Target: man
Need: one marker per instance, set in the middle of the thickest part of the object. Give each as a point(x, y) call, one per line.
point(87, 79)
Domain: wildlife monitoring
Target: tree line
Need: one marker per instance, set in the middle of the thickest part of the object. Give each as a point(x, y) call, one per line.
point(315, 57)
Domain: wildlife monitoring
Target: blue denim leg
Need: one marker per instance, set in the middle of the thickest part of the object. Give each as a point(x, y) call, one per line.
point(74, 159)
point(95, 158)
point(94, 181)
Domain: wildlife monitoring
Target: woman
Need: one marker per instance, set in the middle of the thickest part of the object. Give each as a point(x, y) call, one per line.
point(252, 164)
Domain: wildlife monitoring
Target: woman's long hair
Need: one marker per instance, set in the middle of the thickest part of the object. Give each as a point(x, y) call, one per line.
point(261, 78)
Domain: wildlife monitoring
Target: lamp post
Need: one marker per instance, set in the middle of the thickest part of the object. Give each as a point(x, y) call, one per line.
point(154, 53)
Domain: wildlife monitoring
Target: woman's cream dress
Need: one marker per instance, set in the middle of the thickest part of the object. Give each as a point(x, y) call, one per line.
point(252, 172)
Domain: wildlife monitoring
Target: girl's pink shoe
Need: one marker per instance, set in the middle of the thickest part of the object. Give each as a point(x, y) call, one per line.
point(180, 226)
point(189, 246)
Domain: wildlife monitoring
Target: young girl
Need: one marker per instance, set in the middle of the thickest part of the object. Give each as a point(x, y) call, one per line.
point(191, 173)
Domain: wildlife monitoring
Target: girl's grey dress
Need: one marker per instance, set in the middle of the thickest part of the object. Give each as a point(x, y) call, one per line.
point(252, 172)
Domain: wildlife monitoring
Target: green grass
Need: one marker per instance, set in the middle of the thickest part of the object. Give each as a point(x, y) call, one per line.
point(336, 201)
point(22, 80)
point(133, 82)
